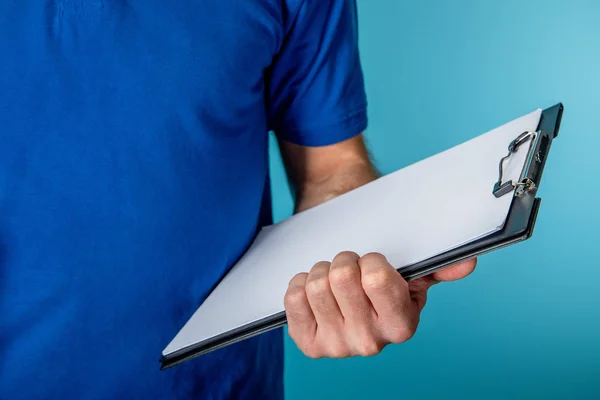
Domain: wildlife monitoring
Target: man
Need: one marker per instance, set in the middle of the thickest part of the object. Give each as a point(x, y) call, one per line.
point(133, 173)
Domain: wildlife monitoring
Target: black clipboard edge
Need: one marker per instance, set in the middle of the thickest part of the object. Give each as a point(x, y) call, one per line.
point(279, 320)
point(518, 227)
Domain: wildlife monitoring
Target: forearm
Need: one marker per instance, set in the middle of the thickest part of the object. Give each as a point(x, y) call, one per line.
point(344, 179)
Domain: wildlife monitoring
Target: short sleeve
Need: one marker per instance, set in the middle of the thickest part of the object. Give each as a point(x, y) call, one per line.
point(316, 93)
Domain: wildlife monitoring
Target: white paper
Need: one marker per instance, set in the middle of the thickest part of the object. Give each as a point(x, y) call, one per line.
point(409, 216)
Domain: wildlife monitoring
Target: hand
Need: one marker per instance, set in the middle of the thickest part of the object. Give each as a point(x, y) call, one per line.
point(357, 305)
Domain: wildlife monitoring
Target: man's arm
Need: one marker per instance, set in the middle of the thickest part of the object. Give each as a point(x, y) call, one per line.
point(319, 174)
point(354, 304)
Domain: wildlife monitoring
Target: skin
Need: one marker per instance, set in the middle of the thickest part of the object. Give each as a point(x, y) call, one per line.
point(352, 305)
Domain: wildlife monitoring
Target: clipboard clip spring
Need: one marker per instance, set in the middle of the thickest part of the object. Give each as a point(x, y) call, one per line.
point(526, 184)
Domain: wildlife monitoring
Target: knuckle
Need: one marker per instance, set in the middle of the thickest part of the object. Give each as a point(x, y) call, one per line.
point(298, 279)
point(377, 279)
point(398, 336)
point(348, 254)
point(369, 347)
point(343, 275)
point(373, 258)
point(312, 352)
point(295, 297)
point(319, 267)
point(401, 331)
point(317, 287)
point(337, 350)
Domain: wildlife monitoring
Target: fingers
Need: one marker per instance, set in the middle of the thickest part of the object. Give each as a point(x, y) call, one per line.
point(345, 279)
point(360, 317)
point(384, 286)
point(357, 305)
point(315, 321)
point(302, 325)
point(388, 292)
point(321, 299)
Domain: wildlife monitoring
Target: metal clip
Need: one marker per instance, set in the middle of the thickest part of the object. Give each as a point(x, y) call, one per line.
point(500, 189)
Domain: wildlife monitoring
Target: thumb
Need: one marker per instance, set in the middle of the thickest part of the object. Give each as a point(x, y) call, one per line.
point(419, 287)
point(456, 272)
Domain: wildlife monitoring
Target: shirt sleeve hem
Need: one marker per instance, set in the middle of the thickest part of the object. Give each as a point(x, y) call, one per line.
point(347, 127)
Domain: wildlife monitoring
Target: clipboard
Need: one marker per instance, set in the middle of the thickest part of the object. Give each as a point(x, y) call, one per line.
point(518, 226)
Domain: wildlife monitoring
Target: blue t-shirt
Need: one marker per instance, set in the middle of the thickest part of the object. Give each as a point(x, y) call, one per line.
point(134, 172)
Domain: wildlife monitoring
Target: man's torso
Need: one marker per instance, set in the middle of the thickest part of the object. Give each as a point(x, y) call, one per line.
point(133, 172)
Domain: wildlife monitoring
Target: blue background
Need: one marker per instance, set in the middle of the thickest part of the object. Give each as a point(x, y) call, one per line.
point(527, 323)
